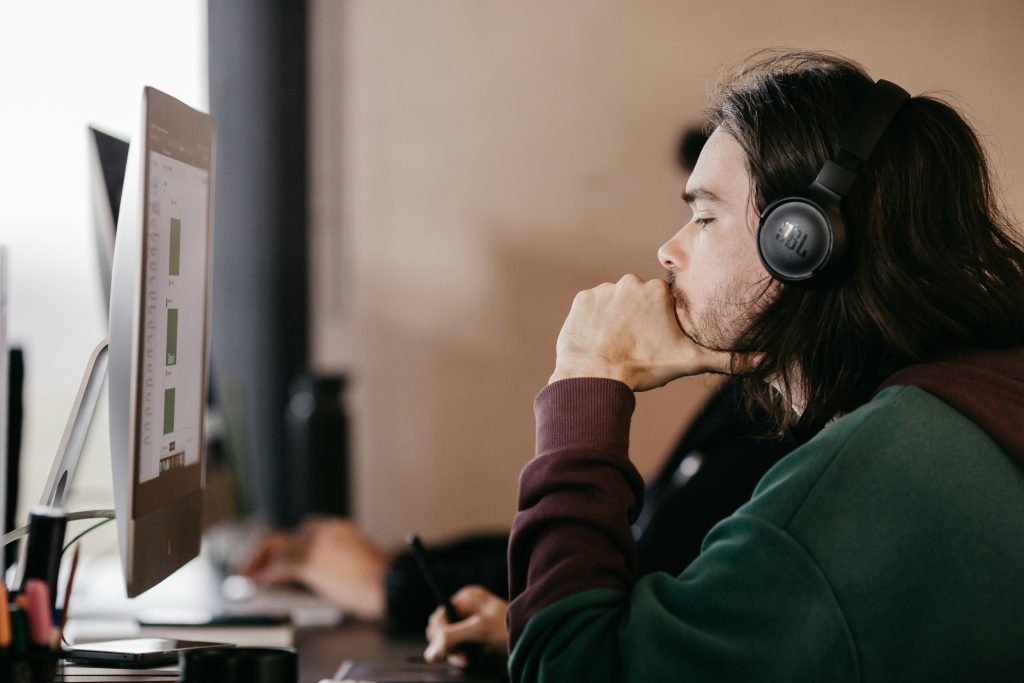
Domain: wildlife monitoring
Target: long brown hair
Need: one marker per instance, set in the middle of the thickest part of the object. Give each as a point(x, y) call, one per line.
point(933, 263)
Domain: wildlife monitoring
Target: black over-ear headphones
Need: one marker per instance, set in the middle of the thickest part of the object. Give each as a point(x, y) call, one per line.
point(802, 238)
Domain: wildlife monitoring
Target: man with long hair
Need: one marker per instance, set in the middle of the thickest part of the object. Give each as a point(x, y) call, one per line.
point(889, 547)
point(710, 472)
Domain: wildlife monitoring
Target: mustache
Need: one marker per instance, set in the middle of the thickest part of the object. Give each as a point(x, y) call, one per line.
point(677, 294)
point(681, 303)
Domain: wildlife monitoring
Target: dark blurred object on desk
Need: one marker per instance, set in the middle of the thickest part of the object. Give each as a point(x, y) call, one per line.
point(239, 665)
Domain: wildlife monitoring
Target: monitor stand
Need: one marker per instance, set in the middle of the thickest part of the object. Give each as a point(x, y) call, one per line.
point(65, 462)
point(70, 450)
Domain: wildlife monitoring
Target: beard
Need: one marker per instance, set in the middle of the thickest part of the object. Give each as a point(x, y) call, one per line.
point(711, 326)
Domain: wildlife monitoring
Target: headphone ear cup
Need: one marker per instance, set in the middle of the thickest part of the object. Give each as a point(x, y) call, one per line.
point(796, 240)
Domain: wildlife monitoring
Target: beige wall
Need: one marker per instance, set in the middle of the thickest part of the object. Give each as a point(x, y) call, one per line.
point(478, 162)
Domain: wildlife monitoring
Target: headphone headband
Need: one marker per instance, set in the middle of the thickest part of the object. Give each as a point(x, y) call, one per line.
point(871, 119)
point(859, 137)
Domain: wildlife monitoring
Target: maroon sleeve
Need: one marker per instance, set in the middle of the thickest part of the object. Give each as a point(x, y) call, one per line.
point(577, 499)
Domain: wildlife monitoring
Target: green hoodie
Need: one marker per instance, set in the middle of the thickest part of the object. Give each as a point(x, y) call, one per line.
point(888, 548)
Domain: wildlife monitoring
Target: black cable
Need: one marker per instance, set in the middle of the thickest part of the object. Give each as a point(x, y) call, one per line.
point(90, 529)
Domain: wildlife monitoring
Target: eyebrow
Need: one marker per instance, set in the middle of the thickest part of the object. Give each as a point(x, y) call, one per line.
point(690, 196)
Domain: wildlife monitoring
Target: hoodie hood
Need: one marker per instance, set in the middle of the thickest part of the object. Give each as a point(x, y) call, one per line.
point(985, 385)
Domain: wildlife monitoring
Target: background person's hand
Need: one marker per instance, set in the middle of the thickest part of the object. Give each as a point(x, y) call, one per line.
point(332, 558)
point(484, 623)
point(628, 331)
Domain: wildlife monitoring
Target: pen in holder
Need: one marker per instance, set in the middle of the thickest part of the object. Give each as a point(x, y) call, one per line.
point(29, 643)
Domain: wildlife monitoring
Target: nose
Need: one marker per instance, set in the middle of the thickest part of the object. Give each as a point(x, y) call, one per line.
point(672, 254)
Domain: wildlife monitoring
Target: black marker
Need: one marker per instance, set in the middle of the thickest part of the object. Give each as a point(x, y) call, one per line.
point(43, 550)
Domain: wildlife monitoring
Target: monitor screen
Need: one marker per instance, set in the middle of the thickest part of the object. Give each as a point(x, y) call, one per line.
point(173, 317)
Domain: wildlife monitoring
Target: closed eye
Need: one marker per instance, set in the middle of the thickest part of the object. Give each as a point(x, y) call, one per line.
point(703, 222)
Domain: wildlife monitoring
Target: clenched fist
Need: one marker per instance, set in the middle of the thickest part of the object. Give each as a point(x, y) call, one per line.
point(628, 331)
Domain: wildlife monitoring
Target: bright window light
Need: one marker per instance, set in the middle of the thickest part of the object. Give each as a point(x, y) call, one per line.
point(66, 65)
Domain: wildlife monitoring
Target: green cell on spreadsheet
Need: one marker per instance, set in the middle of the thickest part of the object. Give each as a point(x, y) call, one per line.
point(174, 267)
point(172, 336)
point(168, 411)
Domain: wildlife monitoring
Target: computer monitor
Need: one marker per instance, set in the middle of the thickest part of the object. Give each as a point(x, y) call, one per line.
point(159, 322)
point(108, 157)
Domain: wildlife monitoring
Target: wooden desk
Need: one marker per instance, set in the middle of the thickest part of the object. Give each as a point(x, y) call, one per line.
point(321, 651)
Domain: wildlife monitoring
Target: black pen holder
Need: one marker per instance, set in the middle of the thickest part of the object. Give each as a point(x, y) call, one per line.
point(37, 665)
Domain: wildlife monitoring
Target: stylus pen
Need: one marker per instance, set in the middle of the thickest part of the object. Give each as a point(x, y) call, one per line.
point(416, 546)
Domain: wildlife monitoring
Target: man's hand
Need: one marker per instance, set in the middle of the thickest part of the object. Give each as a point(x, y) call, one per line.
point(629, 332)
point(484, 623)
point(329, 556)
